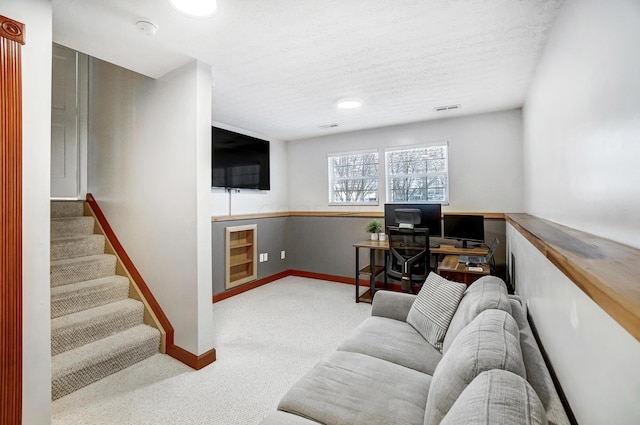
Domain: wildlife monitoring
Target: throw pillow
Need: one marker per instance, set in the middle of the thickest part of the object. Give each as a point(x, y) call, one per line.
point(434, 307)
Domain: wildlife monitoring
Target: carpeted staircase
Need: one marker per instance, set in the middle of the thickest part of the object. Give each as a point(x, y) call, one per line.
point(96, 329)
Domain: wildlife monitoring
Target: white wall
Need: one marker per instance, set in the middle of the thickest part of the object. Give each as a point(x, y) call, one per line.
point(255, 201)
point(581, 152)
point(485, 161)
point(582, 122)
point(150, 144)
point(595, 359)
point(36, 115)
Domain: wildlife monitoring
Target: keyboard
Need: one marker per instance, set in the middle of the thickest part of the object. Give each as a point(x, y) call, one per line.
point(472, 259)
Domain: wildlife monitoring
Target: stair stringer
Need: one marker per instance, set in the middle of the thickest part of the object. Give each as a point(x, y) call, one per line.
point(150, 317)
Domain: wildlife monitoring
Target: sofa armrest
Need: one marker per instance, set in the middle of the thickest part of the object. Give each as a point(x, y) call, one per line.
point(515, 298)
point(392, 305)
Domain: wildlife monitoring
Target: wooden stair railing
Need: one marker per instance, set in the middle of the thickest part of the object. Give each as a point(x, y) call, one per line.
point(154, 316)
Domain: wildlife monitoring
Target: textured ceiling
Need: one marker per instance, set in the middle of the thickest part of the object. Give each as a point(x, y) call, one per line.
point(280, 65)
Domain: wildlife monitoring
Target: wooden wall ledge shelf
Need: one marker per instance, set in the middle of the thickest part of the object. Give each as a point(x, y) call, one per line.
point(357, 214)
point(607, 271)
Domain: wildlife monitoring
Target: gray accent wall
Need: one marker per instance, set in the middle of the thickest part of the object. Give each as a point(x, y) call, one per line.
point(317, 244)
point(325, 244)
point(272, 234)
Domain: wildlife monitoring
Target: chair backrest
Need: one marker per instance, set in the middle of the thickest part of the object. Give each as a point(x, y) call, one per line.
point(408, 217)
point(408, 254)
point(492, 249)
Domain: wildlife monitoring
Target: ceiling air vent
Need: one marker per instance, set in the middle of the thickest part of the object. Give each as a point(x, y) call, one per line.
point(446, 108)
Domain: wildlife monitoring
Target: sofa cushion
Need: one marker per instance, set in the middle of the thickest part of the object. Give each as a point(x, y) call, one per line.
point(485, 293)
point(434, 307)
point(497, 397)
point(394, 341)
point(490, 341)
point(356, 389)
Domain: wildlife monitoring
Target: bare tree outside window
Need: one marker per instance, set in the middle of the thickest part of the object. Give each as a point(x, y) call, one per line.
point(418, 174)
point(353, 178)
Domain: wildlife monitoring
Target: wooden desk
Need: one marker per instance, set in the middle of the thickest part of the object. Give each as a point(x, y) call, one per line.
point(451, 269)
point(373, 270)
point(443, 249)
point(446, 249)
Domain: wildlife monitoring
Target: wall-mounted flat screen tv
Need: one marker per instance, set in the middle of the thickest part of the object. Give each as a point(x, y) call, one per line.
point(239, 161)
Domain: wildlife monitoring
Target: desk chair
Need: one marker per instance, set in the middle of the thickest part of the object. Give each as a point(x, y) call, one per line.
point(408, 260)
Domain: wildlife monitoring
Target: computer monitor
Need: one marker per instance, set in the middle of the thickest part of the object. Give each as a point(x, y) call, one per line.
point(431, 215)
point(465, 228)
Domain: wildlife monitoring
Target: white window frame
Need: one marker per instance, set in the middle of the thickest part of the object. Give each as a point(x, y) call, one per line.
point(332, 178)
point(445, 173)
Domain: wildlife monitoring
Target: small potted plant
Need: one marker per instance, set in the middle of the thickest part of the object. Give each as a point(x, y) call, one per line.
point(374, 228)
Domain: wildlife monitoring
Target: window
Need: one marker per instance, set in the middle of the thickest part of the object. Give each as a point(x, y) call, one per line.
point(353, 178)
point(418, 173)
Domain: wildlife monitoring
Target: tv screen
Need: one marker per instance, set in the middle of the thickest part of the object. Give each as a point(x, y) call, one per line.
point(430, 217)
point(466, 228)
point(239, 161)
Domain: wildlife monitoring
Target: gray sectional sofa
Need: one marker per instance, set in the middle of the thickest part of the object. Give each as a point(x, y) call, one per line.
point(489, 369)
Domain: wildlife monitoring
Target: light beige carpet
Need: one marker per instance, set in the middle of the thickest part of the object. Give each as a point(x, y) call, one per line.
point(265, 339)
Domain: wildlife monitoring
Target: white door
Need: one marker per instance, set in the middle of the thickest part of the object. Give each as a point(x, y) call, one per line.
point(64, 124)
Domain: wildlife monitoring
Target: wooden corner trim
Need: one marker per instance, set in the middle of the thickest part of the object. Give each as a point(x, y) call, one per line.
point(299, 273)
point(248, 286)
point(190, 359)
point(12, 30)
point(11, 223)
point(322, 276)
point(131, 268)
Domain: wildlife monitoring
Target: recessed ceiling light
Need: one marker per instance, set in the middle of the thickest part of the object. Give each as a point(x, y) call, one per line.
point(195, 8)
point(349, 103)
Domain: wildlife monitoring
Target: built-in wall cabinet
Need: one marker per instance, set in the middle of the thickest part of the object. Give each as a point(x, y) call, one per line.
point(241, 255)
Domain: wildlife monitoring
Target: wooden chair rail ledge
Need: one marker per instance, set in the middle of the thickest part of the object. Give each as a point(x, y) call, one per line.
point(607, 271)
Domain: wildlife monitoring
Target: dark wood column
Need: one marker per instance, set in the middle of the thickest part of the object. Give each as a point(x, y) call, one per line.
point(11, 39)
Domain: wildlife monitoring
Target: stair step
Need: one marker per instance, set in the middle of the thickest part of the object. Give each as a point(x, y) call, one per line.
point(67, 209)
point(83, 327)
point(71, 226)
point(77, 368)
point(76, 246)
point(80, 269)
point(67, 299)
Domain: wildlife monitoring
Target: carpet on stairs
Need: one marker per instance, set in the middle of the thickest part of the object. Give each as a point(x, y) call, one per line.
point(96, 329)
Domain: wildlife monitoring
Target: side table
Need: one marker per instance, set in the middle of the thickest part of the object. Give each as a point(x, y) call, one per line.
point(372, 269)
point(451, 269)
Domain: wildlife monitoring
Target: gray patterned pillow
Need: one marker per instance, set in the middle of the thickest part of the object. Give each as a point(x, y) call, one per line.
point(434, 307)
